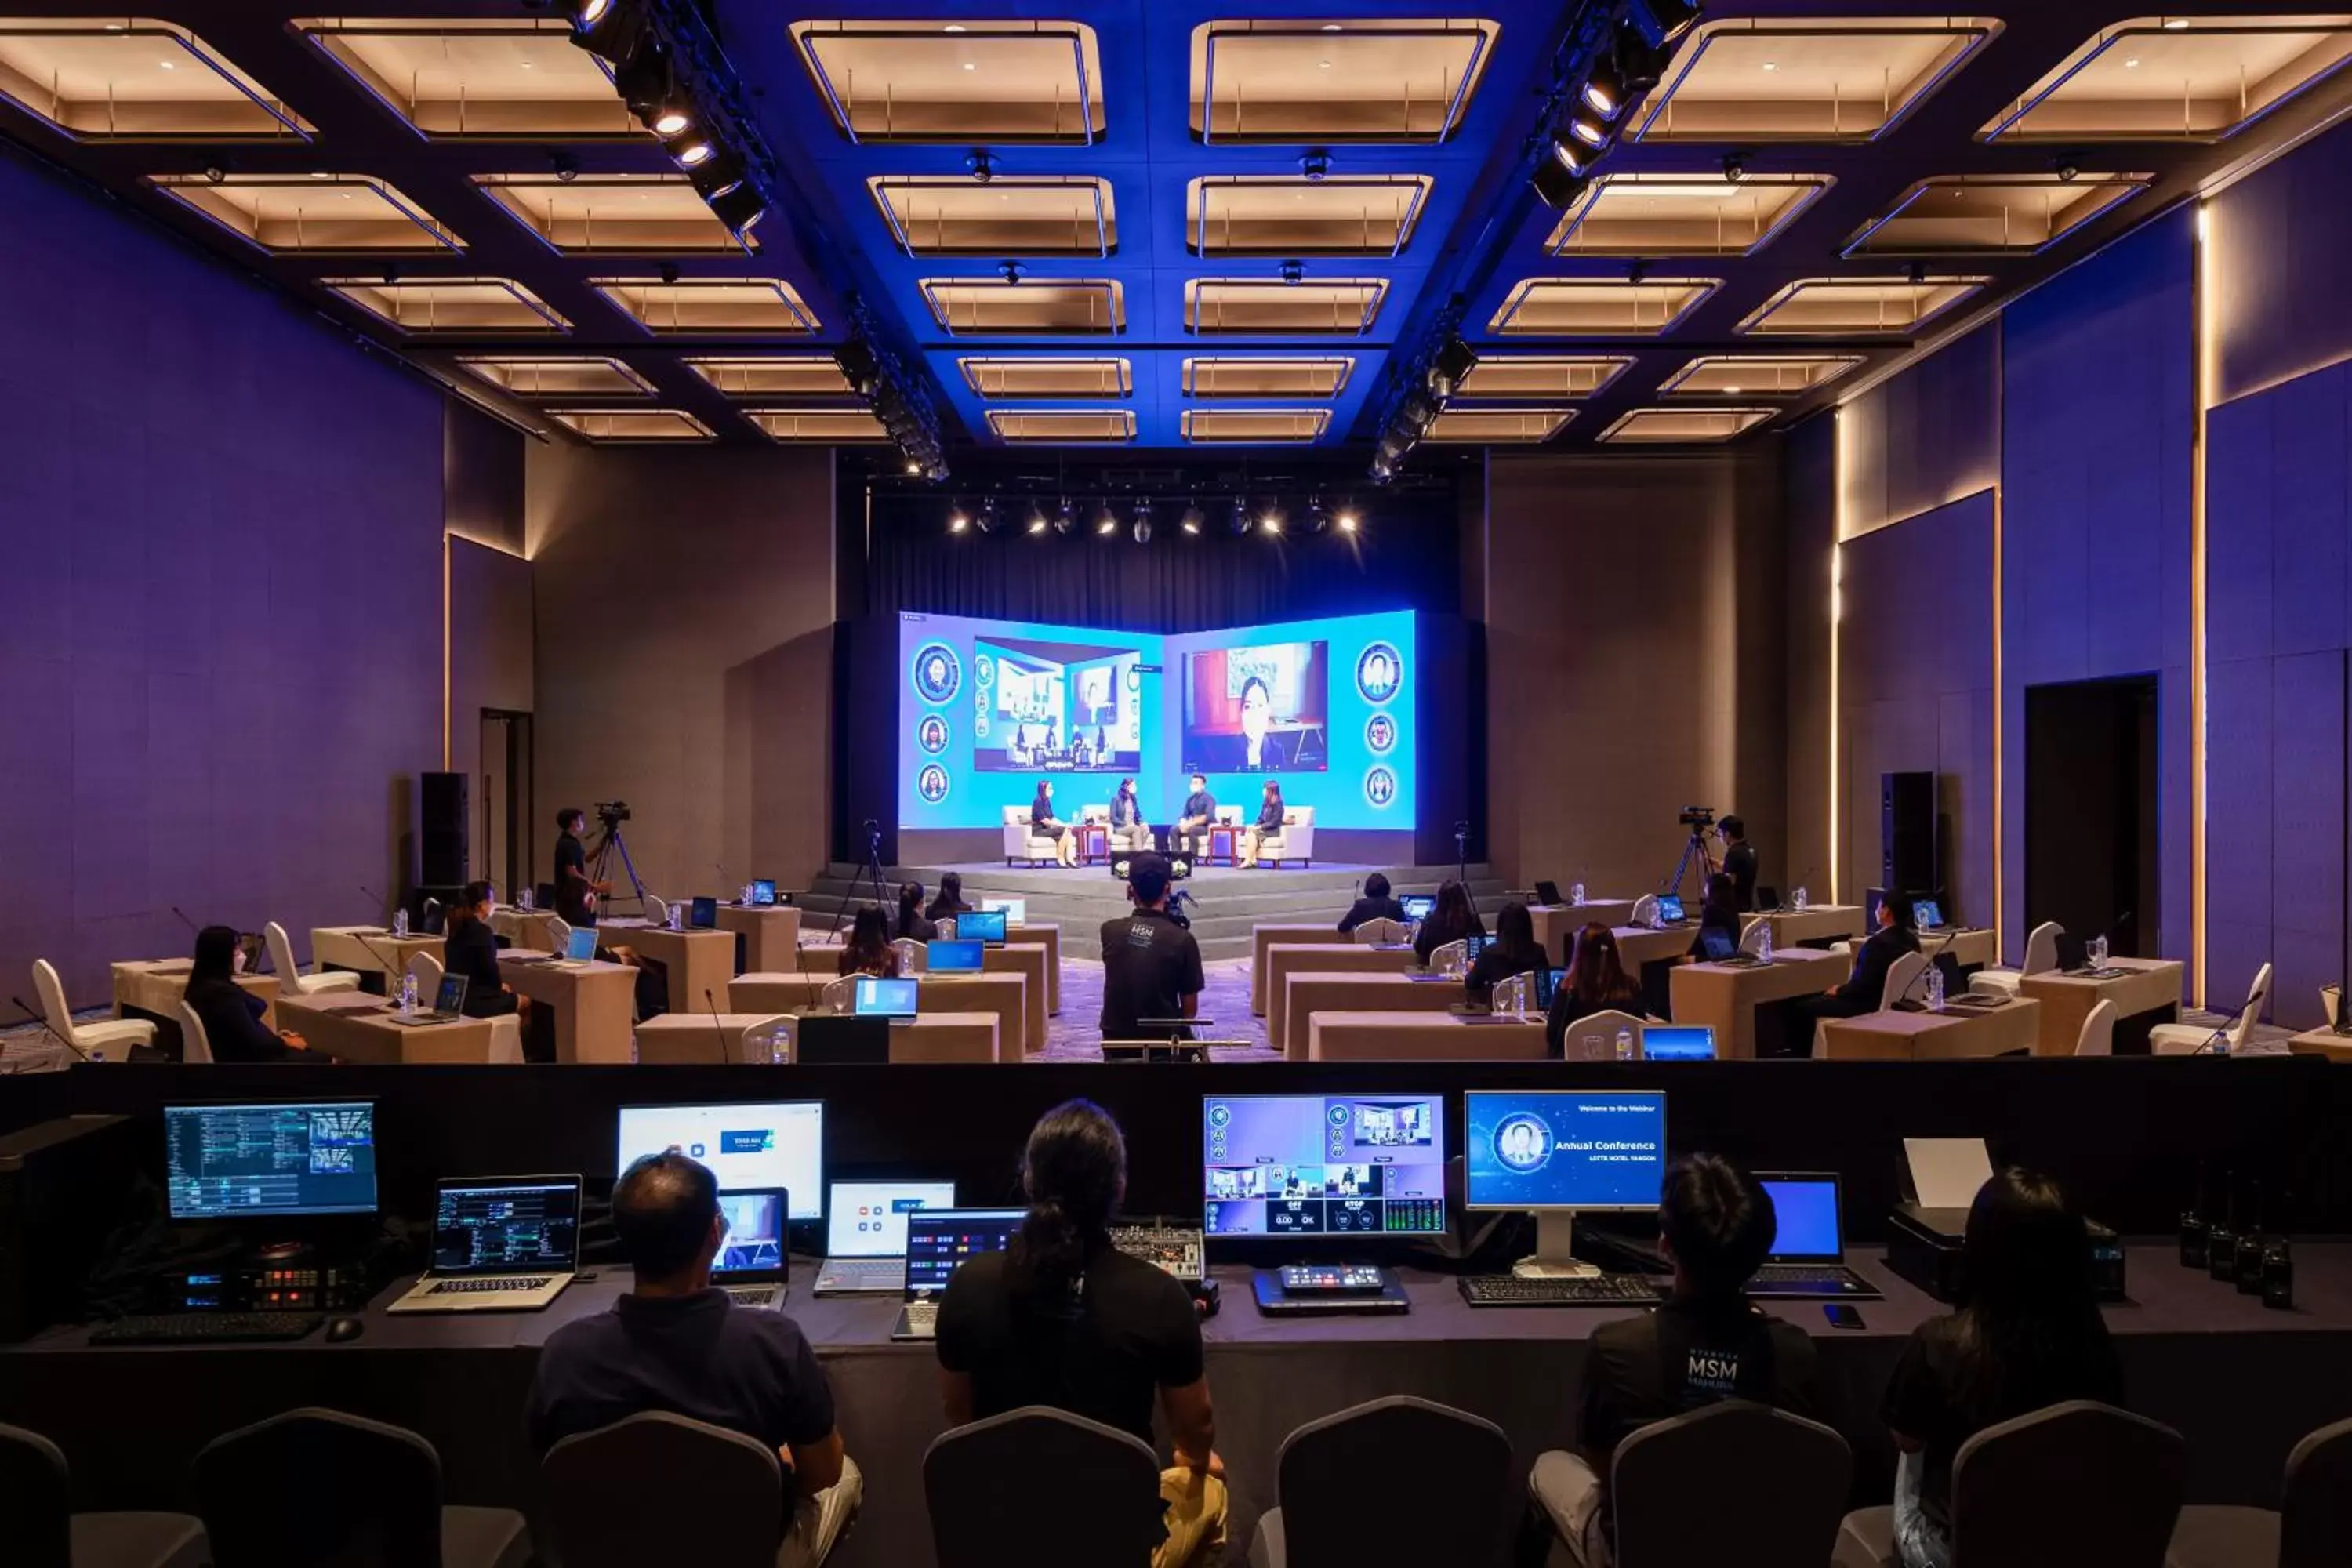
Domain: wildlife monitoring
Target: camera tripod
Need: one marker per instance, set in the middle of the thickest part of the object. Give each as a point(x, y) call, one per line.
point(1695, 849)
point(600, 867)
point(872, 867)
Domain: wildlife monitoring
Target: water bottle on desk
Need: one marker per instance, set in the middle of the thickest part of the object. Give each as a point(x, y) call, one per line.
point(1797, 898)
point(1935, 989)
point(1624, 1045)
point(400, 922)
point(2095, 952)
point(523, 899)
point(1764, 943)
point(745, 899)
point(674, 914)
point(1576, 894)
point(407, 995)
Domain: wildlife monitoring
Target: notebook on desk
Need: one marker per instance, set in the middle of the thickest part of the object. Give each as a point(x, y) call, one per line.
point(1808, 1257)
point(448, 1003)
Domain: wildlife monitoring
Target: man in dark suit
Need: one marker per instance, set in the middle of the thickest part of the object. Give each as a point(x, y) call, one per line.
point(1867, 984)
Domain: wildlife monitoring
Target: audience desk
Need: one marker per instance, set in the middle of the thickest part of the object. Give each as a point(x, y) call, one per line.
point(1306, 992)
point(1815, 924)
point(1419, 1037)
point(1925, 1036)
point(153, 989)
point(530, 929)
point(1557, 924)
point(2146, 994)
point(1264, 937)
point(590, 1002)
point(1971, 947)
point(2322, 1042)
point(1725, 996)
point(681, 1038)
point(1284, 959)
point(769, 933)
point(368, 949)
point(1005, 998)
point(354, 1026)
point(1034, 962)
point(1046, 934)
point(699, 963)
point(2189, 1348)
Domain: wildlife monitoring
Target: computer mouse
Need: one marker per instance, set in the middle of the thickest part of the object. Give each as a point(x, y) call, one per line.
point(338, 1330)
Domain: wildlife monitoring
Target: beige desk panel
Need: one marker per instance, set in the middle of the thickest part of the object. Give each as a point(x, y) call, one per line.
point(158, 986)
point(1933, 1036)
point(769, 932)
point(343, 947)
point(679, 1039)
point(1814, 922)
point(532, 929)
point(2321, 1043)
point(1638, 945)
point(2066, 1000)
point(1004, 997)
point(1283, 960)
point(1969, 948)
point(346, 1026)
point(1306, 993)
point(1419, 1037)
point(590, 1002)
point(1046, 934)
point(696, 961)
point(1557, 924)
point(1725, 998)
point(1264, 937)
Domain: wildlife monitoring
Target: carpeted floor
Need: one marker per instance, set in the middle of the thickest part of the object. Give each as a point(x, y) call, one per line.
point(1073, 1035)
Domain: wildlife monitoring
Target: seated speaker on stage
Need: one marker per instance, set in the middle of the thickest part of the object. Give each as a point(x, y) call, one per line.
point(1377, 904)
point(1043, 824)
point(1193, 823)
point(1268, 823)
point(1127, 829)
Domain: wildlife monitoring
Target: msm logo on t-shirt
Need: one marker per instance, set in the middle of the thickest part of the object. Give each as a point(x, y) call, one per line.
point(1710, 1374)
point(1139, 934)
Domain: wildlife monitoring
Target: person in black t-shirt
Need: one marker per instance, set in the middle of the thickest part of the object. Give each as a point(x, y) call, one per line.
point(2031, 1336)
point(472, 950)
point(1738, 860)
point(575, 895)
point(1066, 1319)
point(1704, 1343)
point(674, 1343)
point(1191, 836)
point(230, 1013)
point(1151, 965)
point(1377, 904)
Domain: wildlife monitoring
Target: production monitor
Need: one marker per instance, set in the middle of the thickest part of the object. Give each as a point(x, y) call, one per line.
point(763, 892)
point(1015, 911)
point(755, 1243)
point(506, 1225)
point(1419, 906)
point(1805, 1211)
point(1563, 1149)
point(1323, 1165)
point(706, 914)
point(939, 1241)
point(868, 1219)
point(286, 1159)
point(763, 1145)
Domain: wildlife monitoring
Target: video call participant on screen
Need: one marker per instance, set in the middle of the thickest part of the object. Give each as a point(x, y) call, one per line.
point(1704, 1343)
point(575, 895)
point(1255, 750)
point(1866, 985)
point(1738, 860)
point(1721, 912)
point(1513, 951)
point(1151, 965)
point(1377, 904)
point(2031, 1336)
point(230, 1013)
point(674, 1344)
point(1065, 1320)
point(1596, 982)
point(868, 950)
point(1267, 826)
point(1199, 815)
point(471, 949)
point(1046, 825)
point(950, 903)
point(1451, 921)
point(1127, 828)
point(912, 925)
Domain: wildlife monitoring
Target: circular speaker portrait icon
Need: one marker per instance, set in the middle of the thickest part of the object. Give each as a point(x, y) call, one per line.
point(983, 669)
point(1380, 735)
point(1378, 672)
point(1379, 786)
point(931, 734)
point(1522, 1143)
point(938, 671)
point(931, 784)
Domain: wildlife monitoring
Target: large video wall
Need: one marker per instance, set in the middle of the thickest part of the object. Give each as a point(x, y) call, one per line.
point(987, 707)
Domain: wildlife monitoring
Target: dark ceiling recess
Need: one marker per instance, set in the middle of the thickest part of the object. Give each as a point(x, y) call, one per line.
point(1327, 233)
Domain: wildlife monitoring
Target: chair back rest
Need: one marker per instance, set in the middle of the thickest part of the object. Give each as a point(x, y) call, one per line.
point(1299, 817)
point(35, 1493)
point(722, 1496)
point(52, 992)
point(195, 1045)
point(428, 971)
point(1229, 816)
point(288, 1490)
point(559, 932)
point(2078, 1482)
point(838, 994)
point(2330, 998)
point(1752, 940)
point(281, 955)
point(2316, 1523)
point(769, 1041)
point(1594, 1037)
point(1463, 1463)
point(1900, 975)
point(1380, 929)
point(2098, 1036)
point(1016, 817)
point(2258, 1002)
point(981, 1483)
point(1513, 994)
point(914, 958)
point(945, 927)
point(1645, 910)
point(657, 909)
point(1776, 1489)
point(2042, 948)
point(1449, 958)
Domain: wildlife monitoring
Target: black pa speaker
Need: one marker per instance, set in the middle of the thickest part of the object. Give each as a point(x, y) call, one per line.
point(445, 830)
point(1910, 859)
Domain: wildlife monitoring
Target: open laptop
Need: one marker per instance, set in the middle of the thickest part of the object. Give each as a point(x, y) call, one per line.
point(1015, 910)
point(1808, 1257)
point(1548, 984)
point(754, 1263)
point(1717, 944)
point(986, 926)
point(865, 1232)
point(884, 998)
point(705, 916)
point(580, 951)
point(1927, 914)
point(1767, 898)
point(1679, 1042)
point(1670, 909)
point(448, 1003)
point(763, 892)
point(938, 1243)
point(956, 956)
point(1419, 906)
point(502, 1244)
point(1547, 893)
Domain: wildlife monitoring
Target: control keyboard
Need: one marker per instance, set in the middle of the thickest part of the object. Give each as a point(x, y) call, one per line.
point(1591, 1290)
point(205, 1328)
point(484, 1287)
point(1811, 1281)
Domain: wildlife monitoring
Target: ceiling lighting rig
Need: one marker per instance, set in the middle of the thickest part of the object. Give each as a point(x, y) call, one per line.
point(902, 401)
point(671, 76)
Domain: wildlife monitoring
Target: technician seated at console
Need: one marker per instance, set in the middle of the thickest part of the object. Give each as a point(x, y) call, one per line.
point(1513, 951)
point(471, 949)
point(1864, 987)
point(1063, 1319)
point(230, 1013)
point(1151, 965)
point(1705, 1343)
point(676, 1343)
point(1377, 904)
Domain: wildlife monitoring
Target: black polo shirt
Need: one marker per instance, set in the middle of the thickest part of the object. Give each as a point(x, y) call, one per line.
point(570, 891)
point(1124, 1333)
point(1150, 965)
point(1739, 865)
point(698, 1356)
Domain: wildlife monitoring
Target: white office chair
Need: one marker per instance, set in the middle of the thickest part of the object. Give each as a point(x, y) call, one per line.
point(838, 994)
point(1373, 932)
point(1751, 941)
point(1594, 1037)
point(1645, 910)
point(2040, 954)
point(2098, 1036)
point(914, 958)
point(506, 1041)
point(195, 1045)
point(2187, 1039)
point(428, 971)
point(113, 1039)
point(945, 928)
point(1449, 958)
point(769, 1042)
point(2331, 998)
point(559, 932)
point(1901, 975)
point(657, 909)
point(289, 973)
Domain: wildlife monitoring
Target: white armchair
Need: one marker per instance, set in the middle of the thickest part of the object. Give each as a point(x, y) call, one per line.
point(2187, 1039)
point(1752, 940)
point(114, 1040)
point(289, 973)
point(1379, 932)
point(1021, 844)
point(657, 909)
point(837, 994)
point(1594, 1037)
point(2041, 956)
point(195, 1045)
point(1295, 841)
point(1645, 910)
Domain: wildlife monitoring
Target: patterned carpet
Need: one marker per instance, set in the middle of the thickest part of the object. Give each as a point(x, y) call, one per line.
point(1073, 1035)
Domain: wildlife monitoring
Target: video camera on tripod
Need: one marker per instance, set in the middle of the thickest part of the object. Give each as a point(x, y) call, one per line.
point(1698, 818)
point(611, 812)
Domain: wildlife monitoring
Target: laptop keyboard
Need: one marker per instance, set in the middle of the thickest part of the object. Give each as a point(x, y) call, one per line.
point(752, 1295)
point(920, 1320)
point(489, 1286)
point(863, 1274)
point(1803, 1279)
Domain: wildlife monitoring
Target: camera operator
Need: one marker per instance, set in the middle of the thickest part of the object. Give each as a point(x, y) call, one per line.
point(575, 895)
point(1151, 965)
point(1738, 861)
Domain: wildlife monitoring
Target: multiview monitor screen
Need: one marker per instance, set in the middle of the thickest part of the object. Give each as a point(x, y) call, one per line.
point(759, 1145)
point(1563, 1149)
point(1303, 1165)
point(279, 1160)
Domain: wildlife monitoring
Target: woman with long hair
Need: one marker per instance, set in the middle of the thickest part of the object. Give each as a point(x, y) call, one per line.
point(471, 949)
point(1269, 824)
point(1596, 982)
point(230, 1013)
point(911, 923)
point(950, 903)
point(1452, 920)
point(868, 949)
point(1046, 825)
point(1513, 951)
point(1063, 1319)
point(2029, 1336)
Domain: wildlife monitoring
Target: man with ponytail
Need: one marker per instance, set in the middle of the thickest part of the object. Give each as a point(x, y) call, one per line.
point(1063, 1319)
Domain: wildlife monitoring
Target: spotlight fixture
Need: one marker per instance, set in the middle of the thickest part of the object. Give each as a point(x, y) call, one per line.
point(1105, 521)
point(566, 169)
point(913, 466)
point(1240, 522)
point(982, 167)
point(1590, 130)
point(1315, 165)
point(1270, 520)
point(1563, 175)
point(2068, 168)
point(1065, 518)
point(1735, 167)
point(1010, 271)
point(1193, 519)
point(1316, 519)
point(739, 208)
point(1143, 529)
point(1605, 91)
point(1664, 21)
point(1637, 272)
point(591, 12)
point(1037, 523)
point(938, 472)
point(1455, 359)
point(690, 148)
point(1382, 472)
point(1292, 272)
point(717, 175)
point(957, 519)
point(671, 118)
point(984, 519)
point(646, 80)
point(1639, 63)
point(1347, 520)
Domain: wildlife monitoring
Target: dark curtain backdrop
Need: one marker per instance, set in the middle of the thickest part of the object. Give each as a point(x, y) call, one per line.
point(1407, 557)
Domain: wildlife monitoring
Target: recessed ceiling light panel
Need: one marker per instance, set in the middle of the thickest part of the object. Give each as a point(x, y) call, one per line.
point(1362, 79)
point(1778, 78)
